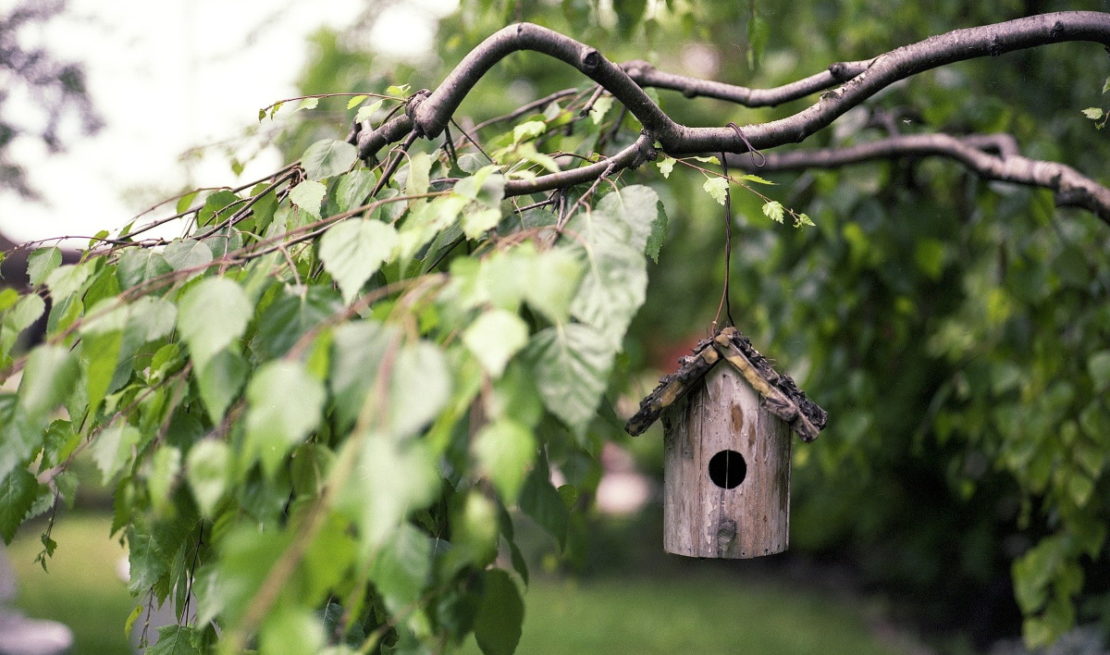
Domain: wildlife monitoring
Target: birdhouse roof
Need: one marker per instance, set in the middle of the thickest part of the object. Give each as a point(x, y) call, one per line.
point(778, 393)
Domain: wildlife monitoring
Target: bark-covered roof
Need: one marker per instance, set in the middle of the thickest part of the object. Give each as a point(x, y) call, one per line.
point(778, 393)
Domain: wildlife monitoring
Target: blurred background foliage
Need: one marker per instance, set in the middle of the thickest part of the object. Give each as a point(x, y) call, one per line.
point(958, 331)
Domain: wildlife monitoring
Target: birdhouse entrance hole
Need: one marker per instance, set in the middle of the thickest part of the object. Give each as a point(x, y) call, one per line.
point(727, 469)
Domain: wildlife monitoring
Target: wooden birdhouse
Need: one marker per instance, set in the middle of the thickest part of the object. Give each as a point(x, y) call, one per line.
point(727, 418)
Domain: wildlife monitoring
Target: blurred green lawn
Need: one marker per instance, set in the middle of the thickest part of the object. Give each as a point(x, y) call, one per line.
point(697, 614)
point(701, 613)
point(82, 588)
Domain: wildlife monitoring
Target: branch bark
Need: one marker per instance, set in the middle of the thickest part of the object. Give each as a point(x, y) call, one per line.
point(430, 114)
point(993, 156)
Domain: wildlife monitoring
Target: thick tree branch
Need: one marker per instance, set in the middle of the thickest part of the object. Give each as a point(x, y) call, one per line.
point(429, 115)
point(1002, 162)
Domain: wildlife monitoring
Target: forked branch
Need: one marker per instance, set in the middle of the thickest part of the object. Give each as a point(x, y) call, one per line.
point(429, 114)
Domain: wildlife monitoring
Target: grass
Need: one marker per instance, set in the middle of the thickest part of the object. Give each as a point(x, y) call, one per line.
point(708, 611)
point(696, 614)
point(81, 589)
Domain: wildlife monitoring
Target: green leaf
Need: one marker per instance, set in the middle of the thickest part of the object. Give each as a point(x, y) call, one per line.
point(48, 378)
point(41, 262)
point(528, 130)
point(218, 207)
point(284, 406)
point(366, 112)
point(18, 491)
point(208, 470)
point(308, 195)
point(137, 265)
point(505, 451)
point(185, 202)
point(759, 33)
point(629, 14)
point(19, 437)
point(658, 235)
point(498, 624)
point(65, 281)
point(293, 630)
point(307, 103)
point(356, 101)
point(112, 448)
point(8, 298)
point(1093, 113)
point(219, 382)
point(211, 316)
point(328, 157)
point(401, 567)
point(391, 480)
point(354, 188)
point(354, 250)
point(637, 206)
point(494, 338)
point(420, 166)
point(177, 640)
point(475, 532)
point(556, 275)
point(17, 319)
point(600, 108)
point(136, 612)
point(1098, 365)
point(100, 355)
point(615, 281)
point(540, 500)
point(773, 210)
point(477, 223)
point(716, 187)
point(420, 386)
point(165, 465)
point(572, 365)
point(666, 167)
point(757, 179)
point(358, 357)
point(1080, 488)
point(151, 318)
point(289, 317)
point(182, 254)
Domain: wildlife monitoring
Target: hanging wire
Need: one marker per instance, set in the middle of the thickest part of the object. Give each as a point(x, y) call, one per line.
point(725, 302)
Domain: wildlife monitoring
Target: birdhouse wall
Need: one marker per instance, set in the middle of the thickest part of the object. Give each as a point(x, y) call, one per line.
point(702, 516)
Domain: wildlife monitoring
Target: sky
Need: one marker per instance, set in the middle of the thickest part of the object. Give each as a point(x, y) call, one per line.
point(168, 76)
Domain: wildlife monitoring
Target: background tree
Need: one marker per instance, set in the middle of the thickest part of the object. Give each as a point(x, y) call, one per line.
point(32, 75)
point(319, 407)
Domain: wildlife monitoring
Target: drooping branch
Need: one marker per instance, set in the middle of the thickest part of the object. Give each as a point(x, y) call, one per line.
point(640, 151)
point(430, 113)
point(992, 156)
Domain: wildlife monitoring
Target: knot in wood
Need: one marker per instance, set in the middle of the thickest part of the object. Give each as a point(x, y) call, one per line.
point(591, 59)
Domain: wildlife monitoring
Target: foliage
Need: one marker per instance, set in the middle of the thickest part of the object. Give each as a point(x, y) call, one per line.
point(340, 421)
point(320, 408)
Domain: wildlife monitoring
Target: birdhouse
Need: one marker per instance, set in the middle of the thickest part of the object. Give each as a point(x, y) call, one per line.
point(727, 420)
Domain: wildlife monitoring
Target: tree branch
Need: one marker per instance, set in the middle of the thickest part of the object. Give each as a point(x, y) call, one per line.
point(631, 157)
point(1072, 188)
point(646, 75)
point(429, 115)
